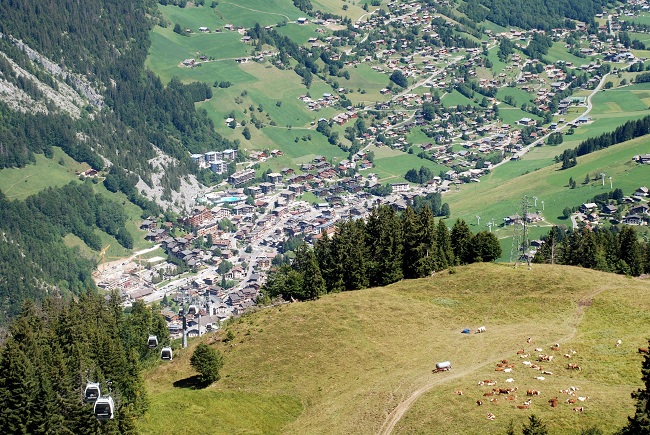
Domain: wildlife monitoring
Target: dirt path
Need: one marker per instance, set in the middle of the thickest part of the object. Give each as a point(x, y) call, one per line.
point(396, 414)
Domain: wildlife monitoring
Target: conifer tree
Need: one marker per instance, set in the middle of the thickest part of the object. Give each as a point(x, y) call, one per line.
point(630, 250)
point(445, 251)
point(411, 235)
point(313, 284)
point(461, 242)
point(384, 242)
point(428, 260)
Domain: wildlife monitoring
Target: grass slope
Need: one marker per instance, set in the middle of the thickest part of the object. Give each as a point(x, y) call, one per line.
point(344, 363)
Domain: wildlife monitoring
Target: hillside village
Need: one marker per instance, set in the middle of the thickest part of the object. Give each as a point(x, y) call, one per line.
point(245, 223)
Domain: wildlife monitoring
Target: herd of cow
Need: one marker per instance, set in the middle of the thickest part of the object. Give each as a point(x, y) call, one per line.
point(498, 394)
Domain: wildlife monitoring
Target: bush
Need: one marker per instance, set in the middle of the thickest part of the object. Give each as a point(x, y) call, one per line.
point(207, 361)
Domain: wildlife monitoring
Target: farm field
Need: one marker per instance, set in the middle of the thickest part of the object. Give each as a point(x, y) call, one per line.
point(391, 165)
point(340, 365)
point(500, 193)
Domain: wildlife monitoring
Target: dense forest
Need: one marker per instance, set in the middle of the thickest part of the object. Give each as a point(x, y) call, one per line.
point(53, 351)
point(107, 42)
point(383, 250)
point(613, 249)
point(623, 133)
point(532, 14)
point(34, 260)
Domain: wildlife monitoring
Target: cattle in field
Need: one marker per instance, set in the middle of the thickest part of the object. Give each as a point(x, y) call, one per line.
point(582, 399)
point(566, 355)
point(579, 408)
point(479, 402)
point(556, 346)
point(499, 369)
point(494, 399)
point(544, 357)
point(521, 352)
point(523, 406)
point(540, 378)
point(643, 350)
point(546, 372)
point(510, 380)
point(573, 366)
point(529, 340)
point(571, 401)
point(533, 392)
point(480, 330)
point(526, 355)
point(490, 416)
point(504, 361)
point(488, 394)
point(618, 343)
point(553, 402)
point(459, 392)
point(538, 349)
point(511, 397)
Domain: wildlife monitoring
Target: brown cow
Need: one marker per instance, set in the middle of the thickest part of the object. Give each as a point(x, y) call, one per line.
point(573, 366)
point(459, 392)
point(643, 350)
point(533, 393)
point(488, 394)
point(579, 408)
point(553, 402)
point(479, 402)
point(521, 352)
point(523, 406)
point(572, 401)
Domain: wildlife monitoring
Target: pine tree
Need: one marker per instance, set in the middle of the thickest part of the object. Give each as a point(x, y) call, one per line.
point(313, 284)
point(534, 426)
point(411, 235)
point(445, 251)
point(630, 250)
point(461, 242)
point(384, 242)
point(427, 246)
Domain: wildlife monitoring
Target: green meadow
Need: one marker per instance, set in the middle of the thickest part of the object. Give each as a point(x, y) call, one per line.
point(341, 365)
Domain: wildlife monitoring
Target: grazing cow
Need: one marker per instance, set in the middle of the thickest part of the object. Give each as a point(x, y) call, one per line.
point(488, 394)
point(511, 397)
point(499, 369)
point(573, 366)
point(538, 349)
point(529, 340)
point(490, 383)
point(618, 343)
point(459, 392)
point(479, 402)
point(526, 363)
point(572, 388)
point(566, 355)
point(540, 378)
point(520, 352)
point(582, 399)
point(544, 357)
point(494, 399)
point(546, 372)
point(643, 350)
point(510, 380)
point(507, 370)
point(504, 361)
point(553, 402)
point(579, 408)
point(490, 416)
point(480, 329)
point(526, 355)
point(523, 406)
point(555, 347)
point(533, 393)
point(571, 401)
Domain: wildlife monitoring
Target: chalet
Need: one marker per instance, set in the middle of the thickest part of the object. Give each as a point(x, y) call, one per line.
point(632, 219)
point(610, 209)
point(640, 209)
point(588, 207)
point(641, 191)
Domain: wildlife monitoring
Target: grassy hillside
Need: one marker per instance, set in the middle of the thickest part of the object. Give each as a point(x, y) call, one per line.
point(348, 362)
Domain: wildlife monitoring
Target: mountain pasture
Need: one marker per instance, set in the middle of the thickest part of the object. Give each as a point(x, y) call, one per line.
point(347, 362)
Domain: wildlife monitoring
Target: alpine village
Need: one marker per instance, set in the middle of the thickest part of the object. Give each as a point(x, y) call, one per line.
point(325, 217)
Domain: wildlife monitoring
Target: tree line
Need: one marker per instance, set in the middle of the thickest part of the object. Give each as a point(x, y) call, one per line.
point(53, 350)
point(628, 131)
point(108, 43)
point(382, 250)
point(34, 260)
point(613, 249)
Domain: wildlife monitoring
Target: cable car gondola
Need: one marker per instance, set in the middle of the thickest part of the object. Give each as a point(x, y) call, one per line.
point(192, 309)
point(92, 392)
point(152, 342)
point(166, 353)
point(104, 408)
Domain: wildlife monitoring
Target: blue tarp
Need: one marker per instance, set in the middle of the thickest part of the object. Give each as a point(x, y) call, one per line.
point(465, 331)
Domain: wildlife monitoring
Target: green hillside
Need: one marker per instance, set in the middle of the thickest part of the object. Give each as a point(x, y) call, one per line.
point(348, 363)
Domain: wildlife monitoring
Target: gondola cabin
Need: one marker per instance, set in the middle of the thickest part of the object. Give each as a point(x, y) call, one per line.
point(92, 392)
point(104, 408)
point(166, 353)
point(192, 309)
point(152, 342)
